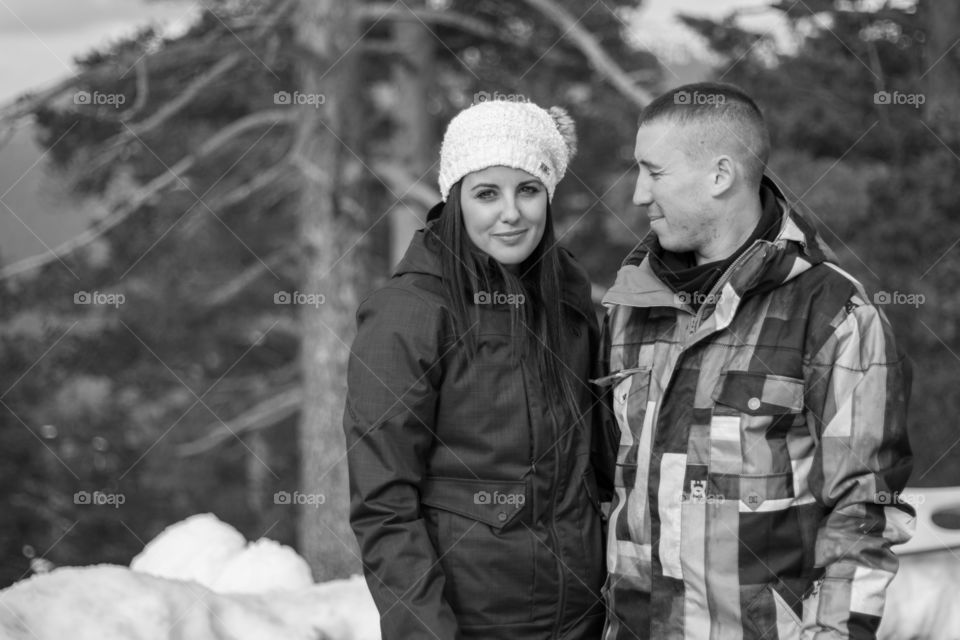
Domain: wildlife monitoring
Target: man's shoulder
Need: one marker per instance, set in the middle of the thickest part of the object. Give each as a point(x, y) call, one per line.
point(827, 285)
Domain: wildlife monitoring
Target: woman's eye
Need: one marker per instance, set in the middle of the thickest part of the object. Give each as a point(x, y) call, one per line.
point(530, 189)
point(486, 194)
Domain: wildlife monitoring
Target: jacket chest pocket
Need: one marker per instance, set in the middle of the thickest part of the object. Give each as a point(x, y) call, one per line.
point(758, 437)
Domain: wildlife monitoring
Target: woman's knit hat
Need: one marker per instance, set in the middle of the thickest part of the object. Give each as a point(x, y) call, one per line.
point(520, 135)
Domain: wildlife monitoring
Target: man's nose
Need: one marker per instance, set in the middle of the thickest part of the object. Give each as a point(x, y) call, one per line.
point(641, 194)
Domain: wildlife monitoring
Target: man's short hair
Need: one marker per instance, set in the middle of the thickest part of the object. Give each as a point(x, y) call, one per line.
point(727, 120)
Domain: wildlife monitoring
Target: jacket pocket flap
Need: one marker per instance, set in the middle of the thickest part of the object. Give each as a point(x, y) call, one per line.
point(617, 376)
point(496, 503)
point(759, 394)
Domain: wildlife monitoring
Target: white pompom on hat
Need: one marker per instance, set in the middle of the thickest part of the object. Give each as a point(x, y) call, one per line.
point(519, 135)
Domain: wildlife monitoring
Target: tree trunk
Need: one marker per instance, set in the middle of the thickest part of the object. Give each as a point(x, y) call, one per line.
point(414, 142)
point(331, 267)
point(942, 66)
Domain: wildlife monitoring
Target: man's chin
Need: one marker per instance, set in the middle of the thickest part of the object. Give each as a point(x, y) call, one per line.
point(671, 245)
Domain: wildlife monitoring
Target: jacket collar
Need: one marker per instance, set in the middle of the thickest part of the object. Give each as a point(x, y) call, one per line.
point(796, 248)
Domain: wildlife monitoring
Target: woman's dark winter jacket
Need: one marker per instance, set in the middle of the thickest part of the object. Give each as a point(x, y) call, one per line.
point(475, 503)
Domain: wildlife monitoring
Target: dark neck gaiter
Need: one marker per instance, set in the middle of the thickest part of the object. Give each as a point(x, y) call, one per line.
point(680, 272)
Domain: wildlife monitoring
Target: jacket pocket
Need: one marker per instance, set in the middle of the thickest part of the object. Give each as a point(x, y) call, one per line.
point(593, 527)
point(486, 553)
point(757, 393)
point(760, 459)
point(754, 415)
point(770, 617)
point(631, 397)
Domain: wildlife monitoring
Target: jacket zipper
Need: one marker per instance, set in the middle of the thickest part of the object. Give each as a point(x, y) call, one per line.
point(555, 538)
point(719, 285)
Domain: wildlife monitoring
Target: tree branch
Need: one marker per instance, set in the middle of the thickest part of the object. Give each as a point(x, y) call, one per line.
point(581, 37)
point(219, 139)
point(29, 103)
point(468, 24)
point(262, 415)
point(227, 292)
point(143, 91)
point(110, 149)
point(591, 48)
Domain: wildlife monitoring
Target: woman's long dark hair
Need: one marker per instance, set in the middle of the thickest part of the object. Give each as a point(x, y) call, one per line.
point(540, 325)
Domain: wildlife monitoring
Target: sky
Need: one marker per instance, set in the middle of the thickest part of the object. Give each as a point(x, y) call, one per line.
point(40, 38)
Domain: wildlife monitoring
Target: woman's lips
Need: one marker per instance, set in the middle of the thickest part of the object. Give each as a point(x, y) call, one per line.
point(510, 237)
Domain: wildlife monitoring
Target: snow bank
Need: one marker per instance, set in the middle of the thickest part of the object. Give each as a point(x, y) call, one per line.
point(209, 551)
point(108, 602)
point(198, 579)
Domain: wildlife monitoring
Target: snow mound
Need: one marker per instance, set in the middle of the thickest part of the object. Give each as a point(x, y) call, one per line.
point(197, 580)
point(264, 565)
point(196, 548)
point(206, 550)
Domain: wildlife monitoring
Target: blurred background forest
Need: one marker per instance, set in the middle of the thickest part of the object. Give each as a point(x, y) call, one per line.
point(242, 185)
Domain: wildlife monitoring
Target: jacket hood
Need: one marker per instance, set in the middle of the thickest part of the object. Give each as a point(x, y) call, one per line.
point(762, 267)
point(422, 258)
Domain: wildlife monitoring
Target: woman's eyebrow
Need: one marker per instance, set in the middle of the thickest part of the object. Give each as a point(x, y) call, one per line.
point(491, 185)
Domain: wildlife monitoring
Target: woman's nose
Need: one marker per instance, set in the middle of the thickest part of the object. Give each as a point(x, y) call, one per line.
point(510, 212)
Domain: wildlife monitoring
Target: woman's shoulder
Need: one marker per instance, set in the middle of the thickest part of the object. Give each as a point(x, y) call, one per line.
point(406, 294)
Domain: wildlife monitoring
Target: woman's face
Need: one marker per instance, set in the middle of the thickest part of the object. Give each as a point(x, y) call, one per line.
point(504, 212)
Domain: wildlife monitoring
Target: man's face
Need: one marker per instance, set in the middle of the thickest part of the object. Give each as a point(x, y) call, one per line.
point(674, 188)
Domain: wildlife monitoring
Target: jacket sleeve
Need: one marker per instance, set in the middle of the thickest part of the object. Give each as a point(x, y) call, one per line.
point(393, 379)
point(857, 399)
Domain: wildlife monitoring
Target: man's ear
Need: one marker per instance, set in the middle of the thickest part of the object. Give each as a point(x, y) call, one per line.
point(723, 176)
